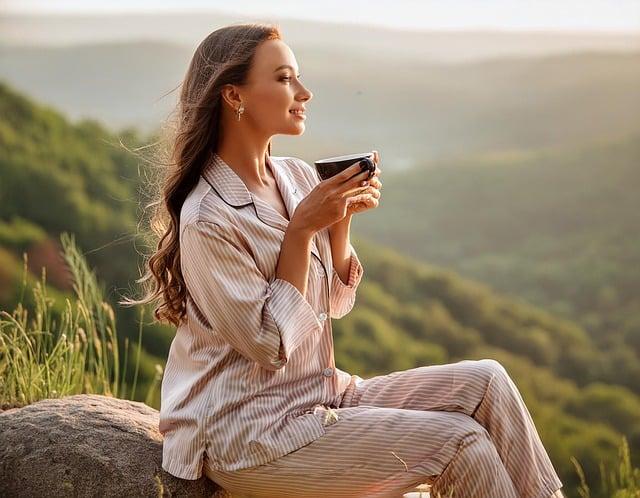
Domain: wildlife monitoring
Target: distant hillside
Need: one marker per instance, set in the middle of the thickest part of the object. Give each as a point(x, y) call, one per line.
point(557, 228)
point(189, 28)
point(58, 176)
point(61, 176)
point(409, 314)
point(414, 111)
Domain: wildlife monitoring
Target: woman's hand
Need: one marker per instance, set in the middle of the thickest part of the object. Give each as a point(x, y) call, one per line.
point(368, 197)
point(330, 200)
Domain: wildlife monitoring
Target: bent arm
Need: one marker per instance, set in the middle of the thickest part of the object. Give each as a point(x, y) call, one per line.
point(264, 320)
point(348, 270)
point(343, 290)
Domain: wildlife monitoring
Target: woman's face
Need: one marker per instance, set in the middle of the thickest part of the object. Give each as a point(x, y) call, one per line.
point(273, 89)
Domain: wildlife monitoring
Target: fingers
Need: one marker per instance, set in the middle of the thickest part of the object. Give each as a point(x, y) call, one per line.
point(346, 179)
point(356, 169)
point(375, 182)
point(347, 173)
point(367, 199)
point(352, 183)
point(370, 190)
point(369, 195)
point(376, 161)
point(351, 186)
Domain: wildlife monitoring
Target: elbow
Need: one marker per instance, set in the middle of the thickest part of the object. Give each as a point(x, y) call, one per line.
point(275, 362)
point(341, 307)
point(274, 365)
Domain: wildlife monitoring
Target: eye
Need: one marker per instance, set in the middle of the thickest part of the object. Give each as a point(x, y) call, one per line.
point(288, 78)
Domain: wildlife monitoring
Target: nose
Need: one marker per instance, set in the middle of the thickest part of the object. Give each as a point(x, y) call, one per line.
point(308, 95)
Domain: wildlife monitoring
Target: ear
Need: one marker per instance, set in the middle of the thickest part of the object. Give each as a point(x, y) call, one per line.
point(230, 96)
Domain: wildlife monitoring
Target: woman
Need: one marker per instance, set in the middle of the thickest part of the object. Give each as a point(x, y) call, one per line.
point(253, 261)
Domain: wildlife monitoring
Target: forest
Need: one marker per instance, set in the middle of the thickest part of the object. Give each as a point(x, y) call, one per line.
point(542, 279)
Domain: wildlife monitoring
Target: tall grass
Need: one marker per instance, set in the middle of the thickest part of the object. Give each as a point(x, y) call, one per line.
point(622, 482)
point(50, 354)
point(73, 349)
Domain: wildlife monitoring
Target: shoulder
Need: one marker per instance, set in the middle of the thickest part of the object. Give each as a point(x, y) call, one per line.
point(202, 236)
point(203, 206)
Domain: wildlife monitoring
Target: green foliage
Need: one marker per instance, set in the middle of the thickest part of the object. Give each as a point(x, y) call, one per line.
point(56, 177)
point(554, 227)
point(18, 234)
point(409, 314)
point(53, 355)
point(63, 177)
point(368, 344)
point(614, 404)
point(621, 482)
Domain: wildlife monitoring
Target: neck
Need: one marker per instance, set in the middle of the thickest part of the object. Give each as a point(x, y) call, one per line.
point(246, 155)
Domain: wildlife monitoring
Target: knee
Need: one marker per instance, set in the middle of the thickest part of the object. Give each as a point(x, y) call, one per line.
point(493, 367)
point(470, 444)
point(471, 430)
point(476, 444)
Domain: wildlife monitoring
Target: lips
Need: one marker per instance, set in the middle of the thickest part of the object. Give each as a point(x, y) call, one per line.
point(300, 115)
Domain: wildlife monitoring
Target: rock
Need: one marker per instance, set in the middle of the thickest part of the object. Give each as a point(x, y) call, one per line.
point(88, 445)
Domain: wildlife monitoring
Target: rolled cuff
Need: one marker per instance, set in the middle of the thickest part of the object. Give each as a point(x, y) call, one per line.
point(294, 317)
point(343, 295)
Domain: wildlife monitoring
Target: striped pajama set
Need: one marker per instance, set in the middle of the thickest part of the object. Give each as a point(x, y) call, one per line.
point(251, 396)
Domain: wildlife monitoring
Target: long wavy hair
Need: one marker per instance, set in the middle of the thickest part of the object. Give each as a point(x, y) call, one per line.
point(223, 57)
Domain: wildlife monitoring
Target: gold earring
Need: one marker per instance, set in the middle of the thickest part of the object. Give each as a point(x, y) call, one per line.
point(240, 111)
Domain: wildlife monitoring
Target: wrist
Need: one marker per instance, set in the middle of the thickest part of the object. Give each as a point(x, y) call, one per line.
point(343, 224)
point(302, 232)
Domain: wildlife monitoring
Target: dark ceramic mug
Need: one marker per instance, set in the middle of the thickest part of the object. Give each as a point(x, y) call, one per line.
point(333, 165)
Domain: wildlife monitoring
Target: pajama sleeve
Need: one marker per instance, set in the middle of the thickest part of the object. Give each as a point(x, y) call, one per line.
point(343, 296)
point(265, 320)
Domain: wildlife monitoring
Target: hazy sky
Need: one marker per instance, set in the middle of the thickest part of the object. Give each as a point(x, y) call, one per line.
point(601, 15)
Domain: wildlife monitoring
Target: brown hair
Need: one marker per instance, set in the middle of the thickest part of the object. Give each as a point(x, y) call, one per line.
point(223, 57)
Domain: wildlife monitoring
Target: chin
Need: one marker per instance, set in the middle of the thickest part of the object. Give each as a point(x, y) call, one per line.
point(297, 130)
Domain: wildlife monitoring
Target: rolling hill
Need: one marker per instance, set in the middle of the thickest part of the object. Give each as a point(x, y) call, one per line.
point(57, 176)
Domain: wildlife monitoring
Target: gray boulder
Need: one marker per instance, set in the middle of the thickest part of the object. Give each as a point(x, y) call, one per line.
point(88, 445)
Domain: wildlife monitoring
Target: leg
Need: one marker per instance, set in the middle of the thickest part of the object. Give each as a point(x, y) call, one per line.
point(481, 389)
point(381, 453)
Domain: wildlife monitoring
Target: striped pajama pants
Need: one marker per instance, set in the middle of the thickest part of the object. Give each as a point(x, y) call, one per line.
point(461, 427)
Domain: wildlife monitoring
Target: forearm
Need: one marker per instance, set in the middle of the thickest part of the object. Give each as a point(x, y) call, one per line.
point(340, 247)
point(295, 256)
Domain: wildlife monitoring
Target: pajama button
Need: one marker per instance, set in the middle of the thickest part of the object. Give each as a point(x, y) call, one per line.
point(327, 372)
point(322, 316)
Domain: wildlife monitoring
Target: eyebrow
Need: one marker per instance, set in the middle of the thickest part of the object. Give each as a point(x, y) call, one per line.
point(283, 67)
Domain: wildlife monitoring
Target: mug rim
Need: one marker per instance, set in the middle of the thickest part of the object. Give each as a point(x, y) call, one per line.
point(346, 157)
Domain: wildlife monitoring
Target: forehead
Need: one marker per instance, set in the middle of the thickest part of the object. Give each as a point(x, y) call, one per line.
point(271, 54)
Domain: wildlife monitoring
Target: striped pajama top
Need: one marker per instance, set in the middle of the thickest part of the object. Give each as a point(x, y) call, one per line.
point(250, 374)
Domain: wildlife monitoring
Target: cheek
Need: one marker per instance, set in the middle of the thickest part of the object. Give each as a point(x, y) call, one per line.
point(271, 99)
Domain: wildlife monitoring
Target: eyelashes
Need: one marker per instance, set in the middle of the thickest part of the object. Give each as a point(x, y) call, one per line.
point(288, 78)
